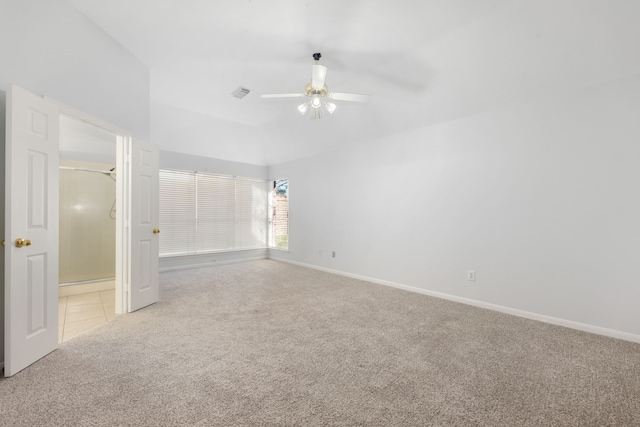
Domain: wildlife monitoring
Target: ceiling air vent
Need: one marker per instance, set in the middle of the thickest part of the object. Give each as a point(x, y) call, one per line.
point(241, 92)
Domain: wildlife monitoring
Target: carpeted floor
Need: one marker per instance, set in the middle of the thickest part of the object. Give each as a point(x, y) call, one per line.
point(270, 344)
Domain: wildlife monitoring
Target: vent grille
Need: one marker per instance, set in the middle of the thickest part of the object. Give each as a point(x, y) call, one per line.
point(241, 92)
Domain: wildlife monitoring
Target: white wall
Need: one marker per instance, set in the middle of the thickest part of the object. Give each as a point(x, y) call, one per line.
point(49, 48)
point(180, 161)
point(539, 198)
point(171, 160)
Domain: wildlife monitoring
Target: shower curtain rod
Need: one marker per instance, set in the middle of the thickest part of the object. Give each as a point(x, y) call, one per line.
point(71, 168)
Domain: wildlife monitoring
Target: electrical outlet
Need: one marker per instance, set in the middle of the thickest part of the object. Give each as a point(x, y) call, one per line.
point(471, 275)
point(333, 254)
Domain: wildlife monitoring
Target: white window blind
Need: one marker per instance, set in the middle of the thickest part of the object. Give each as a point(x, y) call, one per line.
point(216, 212)
point(205, 212)
point(177, 212)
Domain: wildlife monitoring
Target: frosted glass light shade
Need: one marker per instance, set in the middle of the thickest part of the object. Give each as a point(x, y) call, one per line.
point(315, 102)
point(330, 106)
point(303, 108)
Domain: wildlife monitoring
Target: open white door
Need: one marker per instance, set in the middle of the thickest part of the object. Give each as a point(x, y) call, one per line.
point(144, 218)
point(31, 229)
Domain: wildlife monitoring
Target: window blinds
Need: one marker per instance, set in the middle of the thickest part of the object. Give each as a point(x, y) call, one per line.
point(177, 212)
point(216, 212)
point(206, 212)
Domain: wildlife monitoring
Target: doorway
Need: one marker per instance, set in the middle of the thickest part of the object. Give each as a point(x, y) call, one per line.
point(87, 227)
point(31, 225)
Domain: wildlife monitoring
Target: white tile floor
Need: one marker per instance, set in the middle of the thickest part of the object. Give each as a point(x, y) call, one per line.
point(83, 307)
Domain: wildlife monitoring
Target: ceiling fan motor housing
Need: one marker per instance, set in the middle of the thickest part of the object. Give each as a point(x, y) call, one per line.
point(310, 91)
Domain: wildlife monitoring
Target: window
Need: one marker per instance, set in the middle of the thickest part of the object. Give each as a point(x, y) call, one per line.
point(202, 212)
point(279, 215)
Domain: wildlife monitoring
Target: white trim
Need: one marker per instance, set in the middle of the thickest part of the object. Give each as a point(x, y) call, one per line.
point(210, 264)
point(273, 248)
point(612, 333)
point(123, 225)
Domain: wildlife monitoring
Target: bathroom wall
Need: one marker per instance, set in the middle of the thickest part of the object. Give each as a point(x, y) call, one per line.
point(87, 223)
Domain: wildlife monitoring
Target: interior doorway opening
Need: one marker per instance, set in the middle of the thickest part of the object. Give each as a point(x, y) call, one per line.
point(87, 227)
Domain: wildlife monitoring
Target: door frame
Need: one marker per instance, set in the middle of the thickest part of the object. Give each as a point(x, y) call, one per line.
point(123, 142)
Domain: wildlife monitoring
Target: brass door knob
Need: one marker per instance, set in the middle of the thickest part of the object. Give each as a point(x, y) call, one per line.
point(22, 242)
point(156, 230)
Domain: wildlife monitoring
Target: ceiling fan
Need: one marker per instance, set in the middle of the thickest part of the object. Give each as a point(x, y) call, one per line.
point(318, 93)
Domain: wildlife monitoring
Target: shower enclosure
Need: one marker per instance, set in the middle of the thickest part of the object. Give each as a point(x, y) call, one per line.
point(87, 222)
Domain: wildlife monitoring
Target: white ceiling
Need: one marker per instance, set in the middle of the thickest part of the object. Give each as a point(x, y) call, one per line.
point(423, 62)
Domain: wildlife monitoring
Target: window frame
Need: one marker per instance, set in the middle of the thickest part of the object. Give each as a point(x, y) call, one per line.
point(271, 233)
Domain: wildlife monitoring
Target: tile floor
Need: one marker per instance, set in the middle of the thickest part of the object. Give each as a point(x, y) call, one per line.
point(83, 307)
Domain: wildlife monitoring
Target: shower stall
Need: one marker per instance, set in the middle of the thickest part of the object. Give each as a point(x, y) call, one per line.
point(87, 222)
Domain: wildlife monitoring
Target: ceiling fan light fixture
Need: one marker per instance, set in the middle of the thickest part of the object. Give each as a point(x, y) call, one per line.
point(303, 108)
point(315, 102)
point(330, 106)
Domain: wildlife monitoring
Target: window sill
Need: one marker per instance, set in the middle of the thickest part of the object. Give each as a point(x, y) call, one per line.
point(224, 251)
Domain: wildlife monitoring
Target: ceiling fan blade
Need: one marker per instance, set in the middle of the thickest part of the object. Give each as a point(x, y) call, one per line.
point(349, 97)
point(282, 95)
point(318, 76)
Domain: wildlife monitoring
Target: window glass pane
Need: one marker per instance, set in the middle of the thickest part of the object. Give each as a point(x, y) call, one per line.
point(251, 213)
point(280, 214)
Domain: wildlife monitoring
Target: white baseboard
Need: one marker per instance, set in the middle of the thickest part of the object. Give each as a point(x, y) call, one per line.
point(209, 264)
point(502, 309)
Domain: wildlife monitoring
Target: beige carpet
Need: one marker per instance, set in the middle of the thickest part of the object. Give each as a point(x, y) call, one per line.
point(270, 344)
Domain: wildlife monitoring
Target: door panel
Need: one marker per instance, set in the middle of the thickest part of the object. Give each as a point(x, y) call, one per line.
point(31, 229)
point(144, 283)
